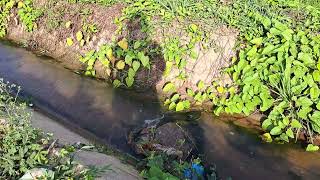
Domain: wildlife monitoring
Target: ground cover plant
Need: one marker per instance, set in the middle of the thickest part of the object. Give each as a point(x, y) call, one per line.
point(275, 71)
point(25, 149)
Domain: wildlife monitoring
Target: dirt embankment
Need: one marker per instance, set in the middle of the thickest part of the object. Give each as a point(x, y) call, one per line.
point(50, 36)
point(49, 39)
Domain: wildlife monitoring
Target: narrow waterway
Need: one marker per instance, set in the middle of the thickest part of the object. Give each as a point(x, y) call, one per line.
point(92, 107)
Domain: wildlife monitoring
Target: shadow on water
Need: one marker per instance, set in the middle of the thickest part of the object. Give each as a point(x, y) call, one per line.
point(108, 114)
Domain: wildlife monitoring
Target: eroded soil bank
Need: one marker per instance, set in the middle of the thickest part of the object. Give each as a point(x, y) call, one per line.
point(50, 39)
point(110, 114)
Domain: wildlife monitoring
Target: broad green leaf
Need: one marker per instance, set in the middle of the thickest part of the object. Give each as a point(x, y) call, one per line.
point(276, 131)
point(172, 105)
point(193, 27)
point(82, 42)
point(175, 97)
point(275, 31)
point(266, 22)
point(314, 92)
point(180, 106)
point(169, 65)
point(131, 73)
point(268, 49)
point(137, 44)
point(315, 127)
point(135, 65)
point(266, 103)
point(287, 34)
point(128, 59)
point(303, 112)
point(144, 60)
point(109, 53)
point(116, 83)
point(123, 44)
point(312, 148)
point(266, 123)
point(190, 92)
point(91, 62)
point(167, 102)
point(198, 96)
point(289, 133)
point(316, 75)
point(295, 124)
point(315, 117)
point(279, 25)
point(284, 137)
point(304, 40)
point(318, 105)
point(200, 85)
point(304, 102)
point(129, 81)
point(186, 104)
point(257, 41)
point(218, 110)
point(267, 137)
point(286, 121)
point(306, 58)
point(169, 87)
point(252, 52)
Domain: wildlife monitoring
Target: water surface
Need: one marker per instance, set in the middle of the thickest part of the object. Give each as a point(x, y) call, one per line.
point(110, 114)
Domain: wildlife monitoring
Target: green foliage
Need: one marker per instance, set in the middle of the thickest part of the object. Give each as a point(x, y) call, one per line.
point(28, 15)
point(23, 147)
point(276, 73)
point(5, 8)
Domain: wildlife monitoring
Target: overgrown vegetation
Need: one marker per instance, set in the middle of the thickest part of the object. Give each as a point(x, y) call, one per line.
point(275, 71)
point(158, 167)
point(24, 149)
point(26, 13)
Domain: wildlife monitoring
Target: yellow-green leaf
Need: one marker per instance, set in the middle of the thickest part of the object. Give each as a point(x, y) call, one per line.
point(169, 87)
point(220, 89)
point(79, 36)
point(69, 42)
point(120, 65)
point(180, 106)
point(267, 137)
point(123, 44)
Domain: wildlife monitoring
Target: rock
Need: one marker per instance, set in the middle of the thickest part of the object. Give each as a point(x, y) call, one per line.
point(36, 173)
point(2, 121)
point(169, 138)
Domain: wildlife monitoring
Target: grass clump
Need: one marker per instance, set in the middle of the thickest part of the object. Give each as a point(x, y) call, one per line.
point(25, 149)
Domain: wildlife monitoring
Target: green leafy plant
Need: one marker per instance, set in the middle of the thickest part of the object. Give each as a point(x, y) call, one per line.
point(5, 8)
point(28, 15)
point(277, 73)
point(23, 148)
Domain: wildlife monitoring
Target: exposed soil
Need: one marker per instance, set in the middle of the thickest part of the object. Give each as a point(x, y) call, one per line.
point(50, 40)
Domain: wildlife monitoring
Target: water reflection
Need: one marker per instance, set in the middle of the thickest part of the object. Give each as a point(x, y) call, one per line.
point(109, 114)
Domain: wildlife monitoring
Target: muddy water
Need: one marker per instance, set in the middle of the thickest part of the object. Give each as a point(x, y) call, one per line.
point(94, 108)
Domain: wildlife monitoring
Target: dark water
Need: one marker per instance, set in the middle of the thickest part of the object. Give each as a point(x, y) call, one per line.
point(109, 114)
